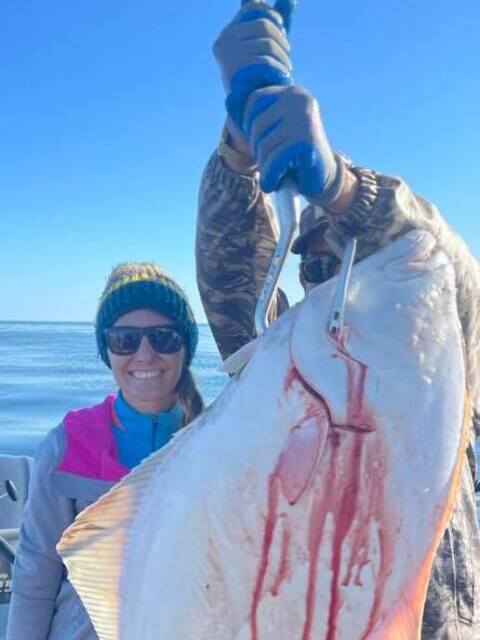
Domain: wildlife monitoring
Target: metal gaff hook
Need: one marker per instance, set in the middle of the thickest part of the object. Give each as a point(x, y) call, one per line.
point(288, 214)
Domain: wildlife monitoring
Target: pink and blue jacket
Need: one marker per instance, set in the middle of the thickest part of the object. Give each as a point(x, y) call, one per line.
point(78, 461)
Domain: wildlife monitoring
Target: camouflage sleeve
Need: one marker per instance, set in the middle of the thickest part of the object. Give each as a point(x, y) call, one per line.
point(398, 210)
point(235, 240)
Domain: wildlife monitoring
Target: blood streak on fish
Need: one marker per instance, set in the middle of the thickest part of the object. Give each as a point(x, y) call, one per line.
point(291, 476)
point(273, 495)
point(283, 566)
point(341, 500)
point(358, 415)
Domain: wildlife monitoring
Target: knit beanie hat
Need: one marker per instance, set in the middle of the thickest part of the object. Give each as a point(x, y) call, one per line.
point(144, 285)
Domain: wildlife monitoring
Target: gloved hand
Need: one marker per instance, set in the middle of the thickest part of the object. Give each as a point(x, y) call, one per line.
point(253, 52)
point(286, 136)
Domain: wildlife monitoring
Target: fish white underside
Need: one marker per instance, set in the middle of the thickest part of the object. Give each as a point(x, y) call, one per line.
point(302, 504)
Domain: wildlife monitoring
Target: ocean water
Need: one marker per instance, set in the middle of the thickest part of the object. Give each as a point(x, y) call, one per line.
point(47, 369)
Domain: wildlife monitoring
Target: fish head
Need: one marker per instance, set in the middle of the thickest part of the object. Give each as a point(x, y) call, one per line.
point(393, 385)
point(401, 324)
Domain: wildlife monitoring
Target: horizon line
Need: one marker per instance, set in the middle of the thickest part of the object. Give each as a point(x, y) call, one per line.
point(65, 322)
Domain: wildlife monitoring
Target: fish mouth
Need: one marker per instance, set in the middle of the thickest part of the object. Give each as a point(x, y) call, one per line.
point(358, 427)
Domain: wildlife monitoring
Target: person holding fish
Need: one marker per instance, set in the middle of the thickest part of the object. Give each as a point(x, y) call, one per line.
point(147, 335)
point(273, 130)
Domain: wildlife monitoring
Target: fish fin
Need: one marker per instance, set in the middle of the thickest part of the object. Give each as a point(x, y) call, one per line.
point(299, 456)
point(405, 621)
point(93, 547)
point(404, 625)
point(235, 363)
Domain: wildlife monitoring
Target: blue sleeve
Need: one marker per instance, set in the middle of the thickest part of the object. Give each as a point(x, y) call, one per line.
point(38, 570)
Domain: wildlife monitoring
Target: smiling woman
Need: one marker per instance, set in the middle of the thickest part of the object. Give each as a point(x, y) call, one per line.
point(142, 295)
point(147, 357)
point(146, 333)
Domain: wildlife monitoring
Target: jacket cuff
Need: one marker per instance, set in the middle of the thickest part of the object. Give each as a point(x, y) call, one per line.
point(239, 187)
point(365, 199)
point(234, 160)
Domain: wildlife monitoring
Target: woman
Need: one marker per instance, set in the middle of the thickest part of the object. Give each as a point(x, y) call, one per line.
point(147, 335)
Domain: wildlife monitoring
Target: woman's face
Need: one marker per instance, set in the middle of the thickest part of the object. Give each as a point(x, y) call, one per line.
point(146, 378)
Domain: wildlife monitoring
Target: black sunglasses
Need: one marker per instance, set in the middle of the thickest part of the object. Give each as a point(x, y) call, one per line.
point(124, 341)
point(319, 268)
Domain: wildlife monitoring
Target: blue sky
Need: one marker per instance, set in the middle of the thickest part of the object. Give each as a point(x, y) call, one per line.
point(109, 111)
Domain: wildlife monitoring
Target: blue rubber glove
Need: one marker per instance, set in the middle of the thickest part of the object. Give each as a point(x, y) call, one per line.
point(253, 52)
point(286, 136)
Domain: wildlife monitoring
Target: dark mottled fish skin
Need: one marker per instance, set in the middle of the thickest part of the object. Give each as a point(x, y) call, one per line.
point(234, 244)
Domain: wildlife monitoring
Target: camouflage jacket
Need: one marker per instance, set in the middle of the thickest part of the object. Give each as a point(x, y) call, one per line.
point(234, 244)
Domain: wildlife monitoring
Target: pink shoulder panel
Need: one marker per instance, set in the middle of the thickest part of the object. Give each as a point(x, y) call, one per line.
point(90, 449)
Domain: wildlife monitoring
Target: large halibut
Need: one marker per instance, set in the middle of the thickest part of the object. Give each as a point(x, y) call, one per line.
point(308, 501)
